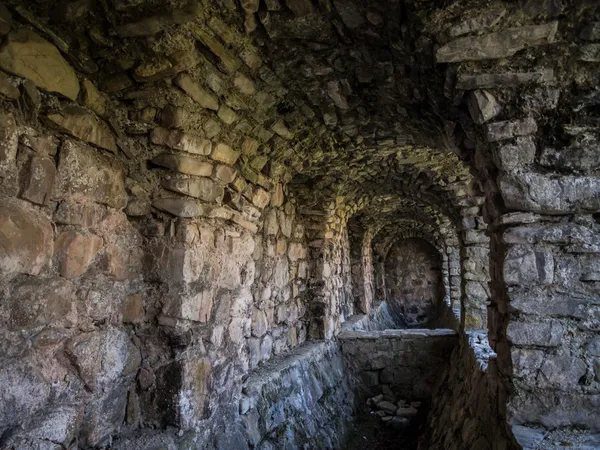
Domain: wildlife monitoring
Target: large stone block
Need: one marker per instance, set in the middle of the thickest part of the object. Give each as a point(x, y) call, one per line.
point(9, 139)
point(23, 390)
point(74, 252)
point(525, 265)
point(203, 188)
point(543, 334)
point(194, 306)
point(103, 357)
point(39, 180)
point(86, 126)
point(27, 55)
point(103, 416)
point(178, 140)
point(37, 302)
point(184, 164)
point(26, 240)
point(85, 174)
point(558, 194)
point(502, 44)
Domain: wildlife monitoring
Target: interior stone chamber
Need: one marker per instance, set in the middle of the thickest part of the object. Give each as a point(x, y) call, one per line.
point(299, 224)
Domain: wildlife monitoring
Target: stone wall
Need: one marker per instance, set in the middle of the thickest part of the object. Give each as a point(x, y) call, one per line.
point(414, 287)
point(407, 362)
point(302, 401)
point(467, 409)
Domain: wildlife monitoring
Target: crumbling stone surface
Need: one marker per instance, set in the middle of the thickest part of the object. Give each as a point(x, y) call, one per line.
point(189, 190)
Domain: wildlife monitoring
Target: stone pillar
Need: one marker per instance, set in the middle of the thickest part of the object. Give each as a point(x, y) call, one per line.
point(545, 317)
point(475, 267)
point(362, 269)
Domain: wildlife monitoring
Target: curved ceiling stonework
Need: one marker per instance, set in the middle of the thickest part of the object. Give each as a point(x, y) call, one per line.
point(184, 184)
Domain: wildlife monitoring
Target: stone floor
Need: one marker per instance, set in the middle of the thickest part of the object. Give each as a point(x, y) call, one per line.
point(368, 433)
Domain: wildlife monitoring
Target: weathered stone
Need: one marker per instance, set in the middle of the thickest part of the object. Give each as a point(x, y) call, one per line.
point(589, 53)
point(195, 307)
point(152, 25)
point(39, 181)
point(244, 84)
point(562, 371)
point(498, 80)
point(180, 207)
point(183, 164)
point(93, 98)
point(85, 126)
point(86, 215)
point(179, 140)
point(74, 252)
point(517, 155)
point(225, 174)
point(580, 158)
point(26, 240)
point(282, 130)
point(260, 324)
point(260, 198)
point(487, 19)
point(9, 139)
point(536, 192)
point(226, 60)
point(84, 174)
point(483, 106)
point(5, 21)
point(203, 188)
point(349, 13)
point(524, 266)
point(591, 32)
point(23, 391)
point(250, 6)
point(227, 115)
point(225, 154)
point(502, 44)
point(27, 55)
point(104, 415)
point(103, 357)
point(116, 82)
point(196, 92)
point(277, 197)
point(133, 309)
point(507, 129)
point(543, 334)
point(7, 88)
point(300, 7)
point(37, 302)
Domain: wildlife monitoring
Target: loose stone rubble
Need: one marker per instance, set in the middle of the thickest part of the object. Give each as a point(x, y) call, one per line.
point(197, 198)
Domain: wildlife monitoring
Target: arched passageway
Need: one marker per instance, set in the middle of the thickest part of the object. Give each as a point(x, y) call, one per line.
point(414, 284)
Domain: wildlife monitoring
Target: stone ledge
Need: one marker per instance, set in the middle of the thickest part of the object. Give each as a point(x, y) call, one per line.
point(406, 333)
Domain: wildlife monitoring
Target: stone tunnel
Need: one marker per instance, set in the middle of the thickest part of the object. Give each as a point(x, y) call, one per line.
point(299, 224)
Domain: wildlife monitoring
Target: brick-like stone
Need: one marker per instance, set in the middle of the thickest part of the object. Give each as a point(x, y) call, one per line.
point(203, 188)
point(225, 154)
point(84, 174)
point(26, 240)
point(39, 180)
point(197, 92)
point(85, 126)
point(183, 164)
point(27, 55)
point(74, 252)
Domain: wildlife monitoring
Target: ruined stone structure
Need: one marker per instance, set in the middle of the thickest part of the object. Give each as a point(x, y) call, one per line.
point(214, 212)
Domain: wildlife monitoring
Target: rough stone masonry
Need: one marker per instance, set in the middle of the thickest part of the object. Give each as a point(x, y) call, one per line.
point(195, 195)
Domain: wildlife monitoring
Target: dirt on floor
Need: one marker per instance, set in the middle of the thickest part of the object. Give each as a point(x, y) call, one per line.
point(368, 432)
